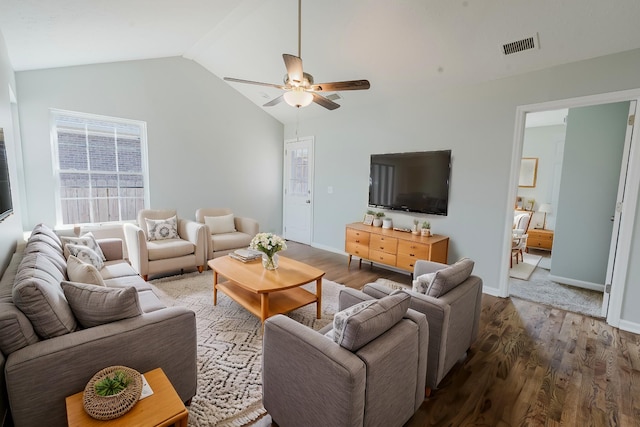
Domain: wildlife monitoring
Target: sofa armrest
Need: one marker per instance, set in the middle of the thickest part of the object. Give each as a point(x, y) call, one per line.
point(289, 350)
point(41, 375)
point(424, 267)
point(137, 248)
point(246, 225)
point(111, 248)
point(195, 233)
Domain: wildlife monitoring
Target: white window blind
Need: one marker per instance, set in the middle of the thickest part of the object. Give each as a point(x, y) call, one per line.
point(100, 167)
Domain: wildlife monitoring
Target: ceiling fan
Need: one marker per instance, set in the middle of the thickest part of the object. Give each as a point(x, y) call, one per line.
point(300, 89)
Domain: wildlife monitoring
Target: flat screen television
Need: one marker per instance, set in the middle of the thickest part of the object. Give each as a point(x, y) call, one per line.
point(411, 182)
point(6, 205)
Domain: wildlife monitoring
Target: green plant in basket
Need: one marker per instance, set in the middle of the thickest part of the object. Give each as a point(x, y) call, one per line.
point(111, 385)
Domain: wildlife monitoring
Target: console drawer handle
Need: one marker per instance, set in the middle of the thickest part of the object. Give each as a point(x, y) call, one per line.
point(357, 241)
point(412, 254)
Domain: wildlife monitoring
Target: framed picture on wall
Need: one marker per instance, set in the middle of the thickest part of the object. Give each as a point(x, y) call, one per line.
point(528, 172)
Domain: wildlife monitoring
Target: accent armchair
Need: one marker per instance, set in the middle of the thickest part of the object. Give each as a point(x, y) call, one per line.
point(162, 243)
point(226, 232)
point(453, 313)
point(374, 376)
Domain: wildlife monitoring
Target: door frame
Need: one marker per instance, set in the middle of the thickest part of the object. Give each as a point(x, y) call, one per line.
point(311, 140)
point(628, 210)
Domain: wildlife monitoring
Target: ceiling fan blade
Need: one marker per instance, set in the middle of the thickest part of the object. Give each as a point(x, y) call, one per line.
point(338, 86)
point(294, 68)
point(326, 103)
point(231, 79)
point(274, 101)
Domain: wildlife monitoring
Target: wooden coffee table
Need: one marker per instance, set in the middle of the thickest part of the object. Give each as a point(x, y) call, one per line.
point(162, 409)
point(263, 292)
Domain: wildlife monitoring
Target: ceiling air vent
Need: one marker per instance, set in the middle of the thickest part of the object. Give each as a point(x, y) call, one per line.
point(521, 45)
point(333, 96)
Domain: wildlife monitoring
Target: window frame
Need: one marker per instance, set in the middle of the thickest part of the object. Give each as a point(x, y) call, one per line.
point(54, 114)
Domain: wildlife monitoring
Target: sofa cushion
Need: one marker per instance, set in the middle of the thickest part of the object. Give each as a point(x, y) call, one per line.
point(45, 245)
point(220, 224)
point(45, 230)
point(79, 271)
point(149, 301)
point(16, 330)
point(37, 293)
point(128, 282)
point(160, 229)
point(86, 254)
point(87, 240)
point(373, 320)
point(96, 305)
point(170, 248)
point(422, 283)
point(117, 268)
point(224, 242)
point(450, 277)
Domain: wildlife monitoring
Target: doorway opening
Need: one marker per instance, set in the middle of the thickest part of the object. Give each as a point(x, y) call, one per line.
point(547, 214)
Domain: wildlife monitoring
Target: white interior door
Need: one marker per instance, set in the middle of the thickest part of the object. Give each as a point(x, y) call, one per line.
point(617, 214)
point(298, 189)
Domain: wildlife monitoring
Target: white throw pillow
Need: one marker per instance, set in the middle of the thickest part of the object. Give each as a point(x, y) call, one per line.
point(423, 282)
point(161, 229)
point(87, 240)
point(82, 272)
point(86, 254)
point(220, 224)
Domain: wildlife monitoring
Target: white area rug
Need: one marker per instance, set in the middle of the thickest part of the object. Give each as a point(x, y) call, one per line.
point(230, 347)
point(523, 269)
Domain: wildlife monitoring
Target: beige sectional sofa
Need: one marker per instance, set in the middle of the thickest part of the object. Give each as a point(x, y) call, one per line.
point(55, 334)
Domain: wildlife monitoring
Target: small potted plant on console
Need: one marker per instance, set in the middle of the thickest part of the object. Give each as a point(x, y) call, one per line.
point(377, 221)
point(415, 230)
point(426, 229)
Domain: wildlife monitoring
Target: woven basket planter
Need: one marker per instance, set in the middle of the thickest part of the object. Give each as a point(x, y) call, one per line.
point(110, 407)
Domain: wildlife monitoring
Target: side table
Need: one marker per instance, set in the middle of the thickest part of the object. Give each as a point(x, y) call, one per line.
point(162, 409)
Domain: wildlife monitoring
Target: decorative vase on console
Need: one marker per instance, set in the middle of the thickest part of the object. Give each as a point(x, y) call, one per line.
point(269, 244)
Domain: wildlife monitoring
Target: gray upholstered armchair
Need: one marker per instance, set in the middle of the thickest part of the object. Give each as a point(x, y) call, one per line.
point(452, 307)
point(375, 375)
point(162, 242)
point(226, 232)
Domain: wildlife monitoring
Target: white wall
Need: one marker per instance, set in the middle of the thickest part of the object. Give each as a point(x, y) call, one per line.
point(208, 146)
point(477, 124)
point(11, 227)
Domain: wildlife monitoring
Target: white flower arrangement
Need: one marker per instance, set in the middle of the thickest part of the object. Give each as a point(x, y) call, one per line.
point(268, 243)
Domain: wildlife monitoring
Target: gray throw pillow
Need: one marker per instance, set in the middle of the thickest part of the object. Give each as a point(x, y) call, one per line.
point(374, 320)
point(96, 305)
point(160, 229)
point(340, 319)
point(86, 254)
point(448, 278)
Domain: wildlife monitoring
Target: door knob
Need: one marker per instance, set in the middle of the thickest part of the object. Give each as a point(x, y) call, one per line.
point(308, 201)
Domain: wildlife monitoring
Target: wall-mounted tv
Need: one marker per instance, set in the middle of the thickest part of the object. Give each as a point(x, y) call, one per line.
point(412, 182)
point(6, 205)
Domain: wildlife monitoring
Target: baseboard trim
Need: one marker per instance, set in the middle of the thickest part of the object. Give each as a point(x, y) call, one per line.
point(628, 326)
point(578, 283)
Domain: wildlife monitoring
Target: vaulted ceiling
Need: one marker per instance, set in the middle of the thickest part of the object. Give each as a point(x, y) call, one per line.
point(402, 47)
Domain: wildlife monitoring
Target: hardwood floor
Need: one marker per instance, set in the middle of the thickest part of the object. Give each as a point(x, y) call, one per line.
point(532, 365)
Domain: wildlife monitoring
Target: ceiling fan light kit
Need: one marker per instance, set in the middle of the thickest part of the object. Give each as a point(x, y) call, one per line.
point(298, 97)
point(299, 86)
